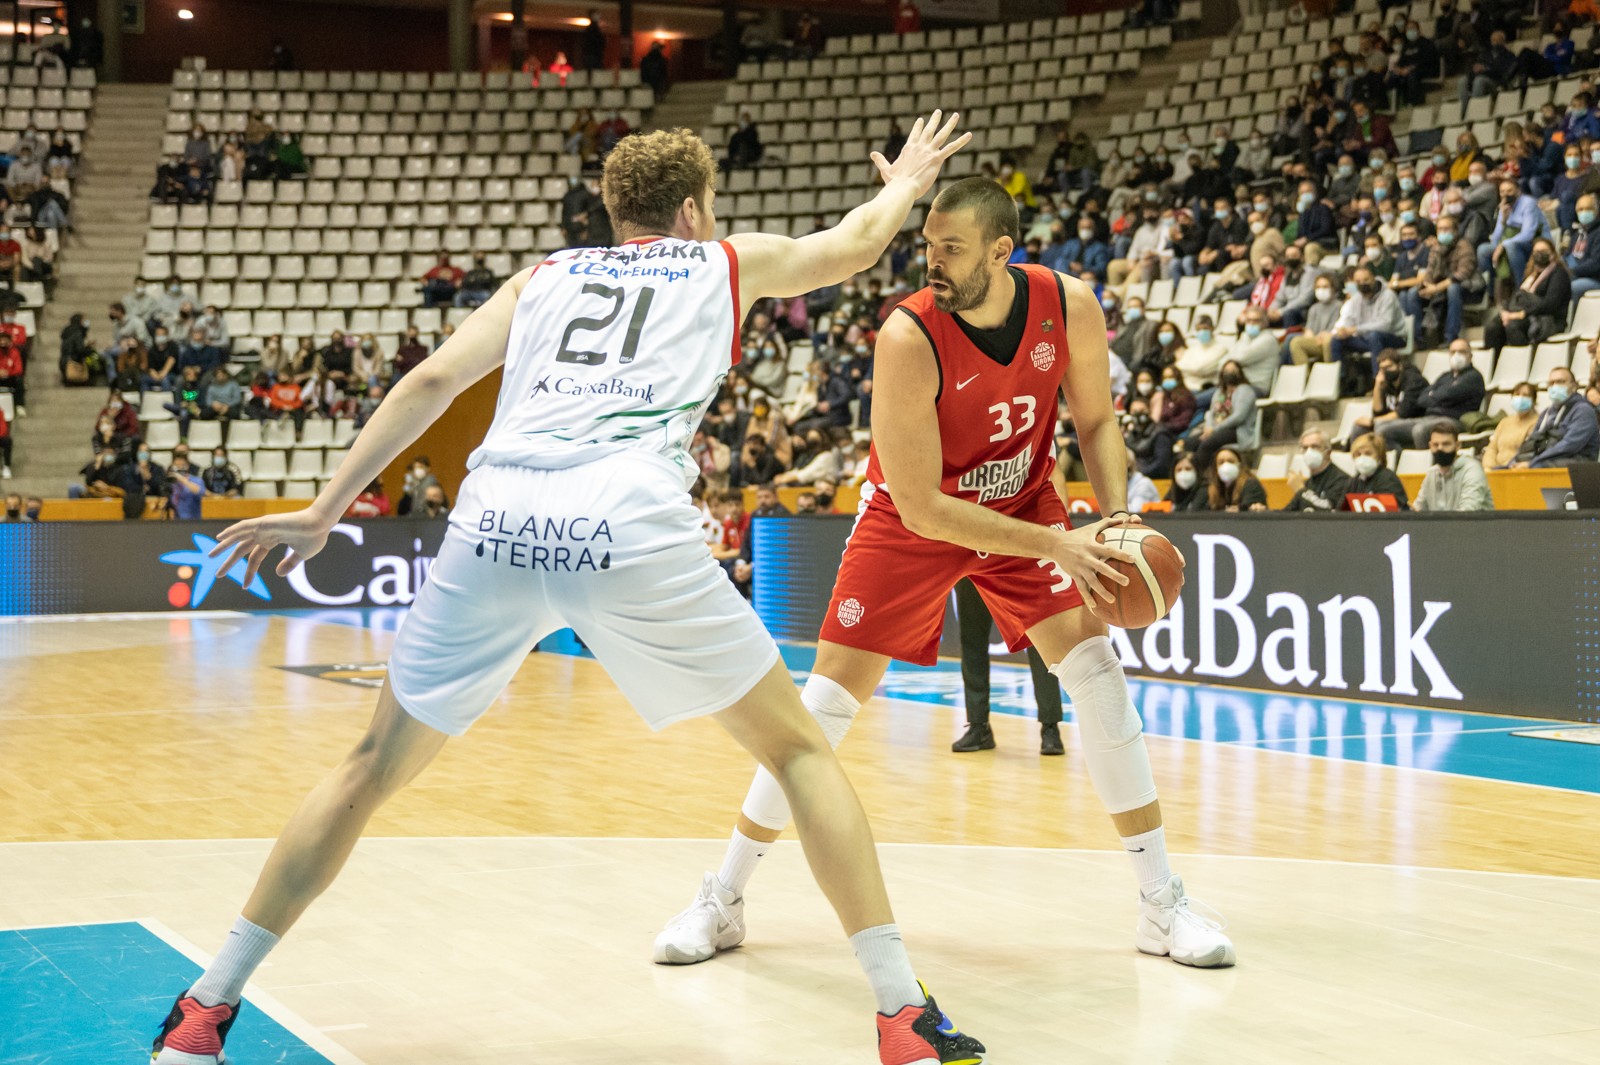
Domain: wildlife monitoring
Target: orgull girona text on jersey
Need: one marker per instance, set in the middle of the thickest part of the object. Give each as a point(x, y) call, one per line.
point(1000, 479)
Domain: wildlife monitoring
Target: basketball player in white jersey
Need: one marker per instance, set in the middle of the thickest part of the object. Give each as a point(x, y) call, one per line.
point(576, 513)
point(967, 375)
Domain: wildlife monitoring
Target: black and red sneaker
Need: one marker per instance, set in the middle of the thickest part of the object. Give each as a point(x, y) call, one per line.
point(923, 1035)
point(193, 1034)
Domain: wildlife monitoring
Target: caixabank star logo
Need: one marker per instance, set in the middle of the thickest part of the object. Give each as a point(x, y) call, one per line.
point(198, 566)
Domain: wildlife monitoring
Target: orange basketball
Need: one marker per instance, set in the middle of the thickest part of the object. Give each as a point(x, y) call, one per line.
point(1154, 577)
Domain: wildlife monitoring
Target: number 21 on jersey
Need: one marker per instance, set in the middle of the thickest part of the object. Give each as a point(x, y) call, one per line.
point(1022, 408)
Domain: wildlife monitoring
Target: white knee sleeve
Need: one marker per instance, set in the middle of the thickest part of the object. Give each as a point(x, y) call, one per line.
point(1109, 725)
point(834, 709)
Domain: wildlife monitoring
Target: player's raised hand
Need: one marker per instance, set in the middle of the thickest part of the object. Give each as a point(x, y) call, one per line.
point(928, 145)
point(1087, 561)
point(302, 532)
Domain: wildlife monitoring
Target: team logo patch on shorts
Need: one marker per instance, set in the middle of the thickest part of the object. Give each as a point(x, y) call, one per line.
point(1044, 355)
point(850, 612)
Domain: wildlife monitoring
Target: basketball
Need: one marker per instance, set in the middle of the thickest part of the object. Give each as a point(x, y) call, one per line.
point(1155, 577)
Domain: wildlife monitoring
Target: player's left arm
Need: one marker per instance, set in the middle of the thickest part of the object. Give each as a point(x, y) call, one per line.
point(1087, 387)
point(422, 395)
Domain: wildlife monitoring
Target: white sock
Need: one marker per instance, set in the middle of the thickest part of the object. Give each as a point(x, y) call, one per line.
point(740, 861)
point(883, 958)
point(1149, 853)
point(246, 947)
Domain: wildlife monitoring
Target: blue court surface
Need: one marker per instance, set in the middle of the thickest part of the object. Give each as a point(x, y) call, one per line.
point(1443, 741)
point(96, 995)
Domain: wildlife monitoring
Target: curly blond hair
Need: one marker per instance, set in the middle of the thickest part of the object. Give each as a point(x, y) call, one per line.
point(648, 176)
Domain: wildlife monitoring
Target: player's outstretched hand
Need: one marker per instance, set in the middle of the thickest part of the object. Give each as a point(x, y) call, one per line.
point(1087, 561)
point(928, 145)
point(301, 532)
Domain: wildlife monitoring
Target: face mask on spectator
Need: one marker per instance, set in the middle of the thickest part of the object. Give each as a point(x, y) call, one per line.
point(1446, 238)
point(1411, 35)
point(1441, 160)
point(1345, 170)
point(1350, 288)
point(1586, 217)
point(1408, 216)
point(1313, 458)
point(1086, 235)
point(1262, 206)
point(861, 350)
point(1185, 479)
point(1145, 388)
point(1376, 162)
point(1306, 200)
point(1228, 472)
point(1150, 197)
point(1541, 259)
point(1366, 465)
point(1474, 180)
point(1168, 383)
point(1573, 161)
point(218, 461)
point(1203, 335)
point(1386, 217)
point(1340, 72)
point(1258, 228)
point(1408, 243)
point(1133, 314)
point(1444, 458)
point(1374, 254)
point(1455, 210)
point(1166, 336)
point(1559, 394)
point(1408, 184)
point(1252, 330)
point(1324, 294)
point(750, 351)
point(1108, 303)
point(144, 456)
point(1522, 404)
point(1380, 193)
point(1340, 116)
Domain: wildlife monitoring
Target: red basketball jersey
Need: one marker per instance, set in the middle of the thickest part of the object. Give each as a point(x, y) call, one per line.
point(996, 423)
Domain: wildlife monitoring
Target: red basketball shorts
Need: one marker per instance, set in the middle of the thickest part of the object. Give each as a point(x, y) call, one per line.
point(889, 597)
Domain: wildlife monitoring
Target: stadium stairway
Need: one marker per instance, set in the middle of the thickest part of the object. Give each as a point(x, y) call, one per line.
point(110, 202)
point(689, 105)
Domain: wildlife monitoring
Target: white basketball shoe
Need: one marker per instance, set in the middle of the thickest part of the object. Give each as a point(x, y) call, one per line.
point(1169, 927)
point(713, 922)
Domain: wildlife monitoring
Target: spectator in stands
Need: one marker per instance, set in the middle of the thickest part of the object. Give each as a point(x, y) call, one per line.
point(1396, 392)
point(10, 258)
point(1316, 482)
point(258, 401)
point(13, 374)
point(1372, 473)
point(1576, 180)
point(198, 353)
point(1141, 491)
point(1345, 185)
point(1518, 222)
point(832, 410)
point(583, 136)
point(744, 147)
point(1565, 433)
point(1538, 307)
point(1263, 291)
point(5, 450)
point(1017, 185)
point(371, 503)
point(132, 367)
point(907, 17)
point(100, 476)
point(1511, 432)
point(1227, 239)
point(183, 490)
point(170, 305)
point(1085, 253)
point(754, 463)
point(441, 282)
point(1417, 62)
point(284, 398)
point(1264, 241)
point(1457, 392)
point(213, 327)
point(1456, 481)
point(1230, 419)
point(593, 37)
point(231, 160)
point(188, 398)
point(1377, 257)
point(24, 176)
point(222, 478)
point(477, 284)
point(39, 259)
point(141, 302)
point(1555, 61)
point(366, 363)
point(368, 403)
point(1203, 354)
point(197, 149)
point(1490, 71)
point(122, 419)
point(820, 458)
point(612, 130)
point(1369, 133)
point(1369, 322)
point(1256, 351)
point(1233, 488)
point(1186, 493)
point(1148, 252)
point(1316, 224)
point(224, 399)
point(1136, 340)
point(419, 478)
point(160, 361)
point(1583, 248)
point(653, 69)
point(410, 353)
point(1450, 277)
point(335, 361)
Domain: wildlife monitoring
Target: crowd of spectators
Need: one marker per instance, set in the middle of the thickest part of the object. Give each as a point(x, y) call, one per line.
point(257, 152)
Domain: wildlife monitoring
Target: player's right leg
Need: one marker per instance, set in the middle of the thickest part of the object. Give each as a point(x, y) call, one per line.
point(307, 857)
point(774, 726)
point(842, 679)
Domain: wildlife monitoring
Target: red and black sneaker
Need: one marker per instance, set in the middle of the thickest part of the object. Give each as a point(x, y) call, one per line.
point(193, 1034)
point(923, 1035)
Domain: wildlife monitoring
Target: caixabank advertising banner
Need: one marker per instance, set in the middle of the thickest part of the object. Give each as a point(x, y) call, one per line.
point(1476, 612)
point(101, 567)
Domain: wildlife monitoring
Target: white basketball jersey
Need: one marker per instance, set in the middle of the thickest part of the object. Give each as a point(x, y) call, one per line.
point(614, 349)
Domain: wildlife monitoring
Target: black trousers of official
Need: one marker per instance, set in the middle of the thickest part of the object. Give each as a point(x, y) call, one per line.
point(976, 622)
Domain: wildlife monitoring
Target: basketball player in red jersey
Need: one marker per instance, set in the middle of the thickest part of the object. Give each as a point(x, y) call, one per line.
point(959, 485)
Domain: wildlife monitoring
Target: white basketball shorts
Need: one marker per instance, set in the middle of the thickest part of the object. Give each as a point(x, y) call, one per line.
point(613, 549)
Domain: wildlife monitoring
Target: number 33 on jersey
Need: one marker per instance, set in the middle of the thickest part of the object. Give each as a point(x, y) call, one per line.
point(618, 349)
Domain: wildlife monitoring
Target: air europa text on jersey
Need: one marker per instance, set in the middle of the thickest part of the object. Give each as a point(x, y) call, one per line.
point(665, 273)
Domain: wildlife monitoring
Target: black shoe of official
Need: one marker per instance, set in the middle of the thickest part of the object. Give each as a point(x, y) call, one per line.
point(979, 737)
point(1050, 740)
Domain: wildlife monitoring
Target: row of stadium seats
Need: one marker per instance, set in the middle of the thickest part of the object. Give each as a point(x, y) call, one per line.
point(333, 109)
point(386, 81)
point(877, 44)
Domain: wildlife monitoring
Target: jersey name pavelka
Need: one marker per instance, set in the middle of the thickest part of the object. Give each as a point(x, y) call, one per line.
point(615, 349)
